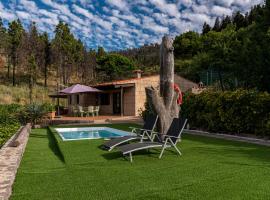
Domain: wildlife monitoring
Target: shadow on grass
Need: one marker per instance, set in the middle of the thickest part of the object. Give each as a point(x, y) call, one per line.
point(34, 135)
point(112, 155)
point(144, 152)
point(54, 146)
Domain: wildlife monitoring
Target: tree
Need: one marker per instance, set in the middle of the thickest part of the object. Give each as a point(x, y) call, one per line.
point(32, 66)
point(15, 33)
point(187, 44)
point(219, 50)
point(64, 47)
point(164, 101)
point(206, 28)
point(217, 25)
point(101, 52)
point(3, 42)
point(46, 56)
point(3, 36)
point(225, 22)
point(115, 66)
point(239, 20)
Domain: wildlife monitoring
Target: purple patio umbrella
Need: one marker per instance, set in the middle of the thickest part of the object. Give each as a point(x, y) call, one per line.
point(79, 89)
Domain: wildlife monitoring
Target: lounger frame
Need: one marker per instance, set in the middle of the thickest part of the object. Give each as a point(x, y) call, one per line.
point(167, 143)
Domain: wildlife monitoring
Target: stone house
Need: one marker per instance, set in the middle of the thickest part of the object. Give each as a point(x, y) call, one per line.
point(124, 97)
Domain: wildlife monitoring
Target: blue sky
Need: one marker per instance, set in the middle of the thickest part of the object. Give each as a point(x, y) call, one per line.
point(121, 24)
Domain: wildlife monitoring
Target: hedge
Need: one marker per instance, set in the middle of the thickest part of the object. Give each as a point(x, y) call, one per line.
point(240, 111)
point(13, 115)
point(9, 122)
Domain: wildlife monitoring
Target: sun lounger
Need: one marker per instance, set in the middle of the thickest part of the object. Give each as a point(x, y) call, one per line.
point(139, 134)
point(159, 140)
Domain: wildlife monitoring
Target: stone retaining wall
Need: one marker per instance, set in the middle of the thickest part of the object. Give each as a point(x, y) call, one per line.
point(10, 158)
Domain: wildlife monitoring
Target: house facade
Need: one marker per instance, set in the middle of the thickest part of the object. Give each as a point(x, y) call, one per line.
point(124, 97)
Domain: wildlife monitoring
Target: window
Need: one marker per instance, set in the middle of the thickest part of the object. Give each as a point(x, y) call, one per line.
point(105, 99)
point(78, 99)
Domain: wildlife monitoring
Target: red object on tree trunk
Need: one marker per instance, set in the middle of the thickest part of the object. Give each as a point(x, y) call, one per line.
point(180, 95)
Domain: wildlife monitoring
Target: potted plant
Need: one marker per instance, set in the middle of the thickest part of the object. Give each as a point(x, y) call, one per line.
point(50, 110)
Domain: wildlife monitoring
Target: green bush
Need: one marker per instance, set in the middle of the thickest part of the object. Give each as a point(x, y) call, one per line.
point(9, 123)
point(147, 111)
point(48, 107)
point(35, 112)
point(13, 115)
point(240, 111)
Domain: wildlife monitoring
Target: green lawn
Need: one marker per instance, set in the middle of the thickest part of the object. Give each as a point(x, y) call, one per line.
point(208, 169)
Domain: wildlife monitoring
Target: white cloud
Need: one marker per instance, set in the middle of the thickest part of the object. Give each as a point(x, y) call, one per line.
point(6, 13)
point(23, 15)
point(120, 4)
point(168, 8)
point(117, 24)
point(82, 11)
point(219, 11)
point(29, 6)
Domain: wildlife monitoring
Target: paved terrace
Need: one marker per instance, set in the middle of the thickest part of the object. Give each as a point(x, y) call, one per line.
point(96, 120)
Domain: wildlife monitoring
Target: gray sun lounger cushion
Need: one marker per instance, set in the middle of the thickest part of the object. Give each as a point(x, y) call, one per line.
point(148, 126)
point(160, 141)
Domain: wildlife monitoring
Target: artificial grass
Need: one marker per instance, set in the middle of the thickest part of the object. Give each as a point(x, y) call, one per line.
point(209, 169)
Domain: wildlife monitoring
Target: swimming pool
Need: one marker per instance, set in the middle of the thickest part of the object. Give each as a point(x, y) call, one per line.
point(90, 133)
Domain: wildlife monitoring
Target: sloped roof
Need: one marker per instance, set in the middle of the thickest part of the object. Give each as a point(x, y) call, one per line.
point(79, 89)
point(183, 83)
point(124, 81)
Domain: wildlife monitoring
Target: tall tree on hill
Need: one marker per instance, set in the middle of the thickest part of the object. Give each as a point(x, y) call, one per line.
point(187, 45)
point(114, 66)
point(63, 45)
point(225, 22)
point(239, 20)
point(217, 25)
point(206, 28)
point(267, 13)
point(3, 36)
point(256, 14)
point(31, 68)
point(15, 32)
point(3, 41)
point(100, 52)
point(46, 56)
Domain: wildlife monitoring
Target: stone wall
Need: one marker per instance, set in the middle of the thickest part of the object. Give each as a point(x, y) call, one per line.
point(141, 84)
point(10, 157)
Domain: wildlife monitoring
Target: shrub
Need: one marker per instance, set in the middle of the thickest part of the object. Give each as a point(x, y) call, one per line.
point(6, 131)
point(48, 107)
point(35, 112)
point(9, 122)
point(240, 111)
point(148, 110)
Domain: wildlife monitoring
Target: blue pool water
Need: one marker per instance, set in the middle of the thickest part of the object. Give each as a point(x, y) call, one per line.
point(90, 133)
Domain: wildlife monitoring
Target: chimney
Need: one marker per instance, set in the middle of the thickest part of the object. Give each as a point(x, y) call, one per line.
point(138, 73)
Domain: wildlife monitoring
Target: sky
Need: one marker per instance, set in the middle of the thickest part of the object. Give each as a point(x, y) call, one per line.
point(121, 24)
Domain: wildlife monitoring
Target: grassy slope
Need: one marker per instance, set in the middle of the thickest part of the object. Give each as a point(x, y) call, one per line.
point(209, 169)
point(20, 94)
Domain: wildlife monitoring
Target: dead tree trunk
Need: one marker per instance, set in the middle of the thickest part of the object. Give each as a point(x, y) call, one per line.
point(164, 100)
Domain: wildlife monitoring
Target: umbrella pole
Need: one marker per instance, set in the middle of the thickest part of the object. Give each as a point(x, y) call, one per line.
point(58, 109)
